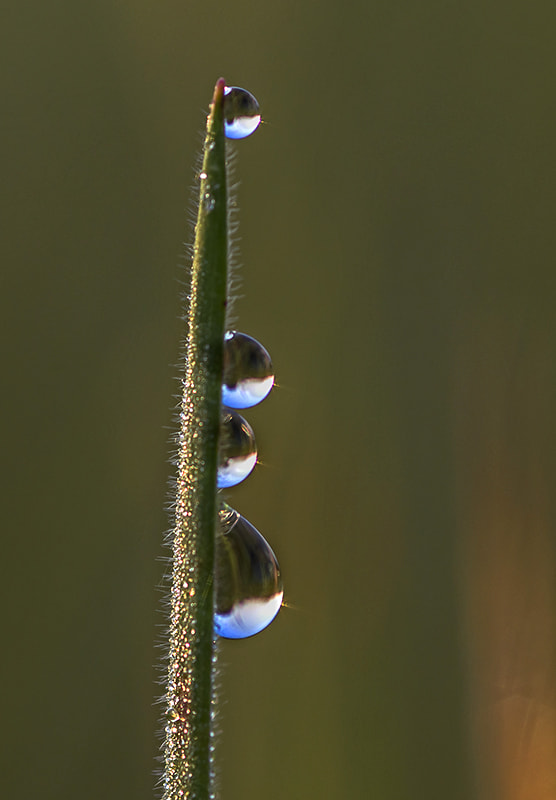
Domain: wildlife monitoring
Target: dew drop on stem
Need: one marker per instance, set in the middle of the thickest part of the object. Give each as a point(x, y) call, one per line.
point(249, 588)
point(238, 449)
point(248, 373)
point(241, 113)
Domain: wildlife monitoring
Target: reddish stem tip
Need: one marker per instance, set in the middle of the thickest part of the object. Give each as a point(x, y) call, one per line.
point(219, 90)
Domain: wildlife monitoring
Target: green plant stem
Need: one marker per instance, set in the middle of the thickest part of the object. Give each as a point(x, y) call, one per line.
point(188, 743)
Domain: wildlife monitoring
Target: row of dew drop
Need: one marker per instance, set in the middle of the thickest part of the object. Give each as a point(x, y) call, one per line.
point(249, 588)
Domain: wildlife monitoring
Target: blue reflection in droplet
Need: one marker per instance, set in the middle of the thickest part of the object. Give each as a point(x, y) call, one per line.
point(238, 449)
point(249, 587)
point(241, 113)
point(248, 374)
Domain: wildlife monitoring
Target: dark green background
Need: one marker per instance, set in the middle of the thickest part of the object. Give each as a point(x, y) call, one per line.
point(397, 260)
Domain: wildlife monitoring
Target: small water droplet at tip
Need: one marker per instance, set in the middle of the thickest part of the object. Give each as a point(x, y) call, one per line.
point(241, 113)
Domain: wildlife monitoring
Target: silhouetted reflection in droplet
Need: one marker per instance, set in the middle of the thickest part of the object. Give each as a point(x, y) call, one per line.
point(249, 588)
point(238, 449)
point(248, 374)
point(241, 113)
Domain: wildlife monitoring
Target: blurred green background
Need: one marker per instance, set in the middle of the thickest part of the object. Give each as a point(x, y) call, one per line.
point(397, 260)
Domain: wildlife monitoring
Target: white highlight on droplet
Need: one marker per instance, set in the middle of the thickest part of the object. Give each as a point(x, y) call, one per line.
point(242, 127)
point(247, 393)
point(235, 470)
point(248, 617)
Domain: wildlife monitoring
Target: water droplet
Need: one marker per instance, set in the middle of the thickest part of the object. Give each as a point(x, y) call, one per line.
point(203, 176)
point(209, 201)
point(248, 374)
point(249, 588)
point(238, 450)
point(241, 113)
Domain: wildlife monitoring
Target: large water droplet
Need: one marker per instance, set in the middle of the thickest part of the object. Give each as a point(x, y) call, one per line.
point(241, 113)
point(238, 450)
point(248, 374)
point(249, 587)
